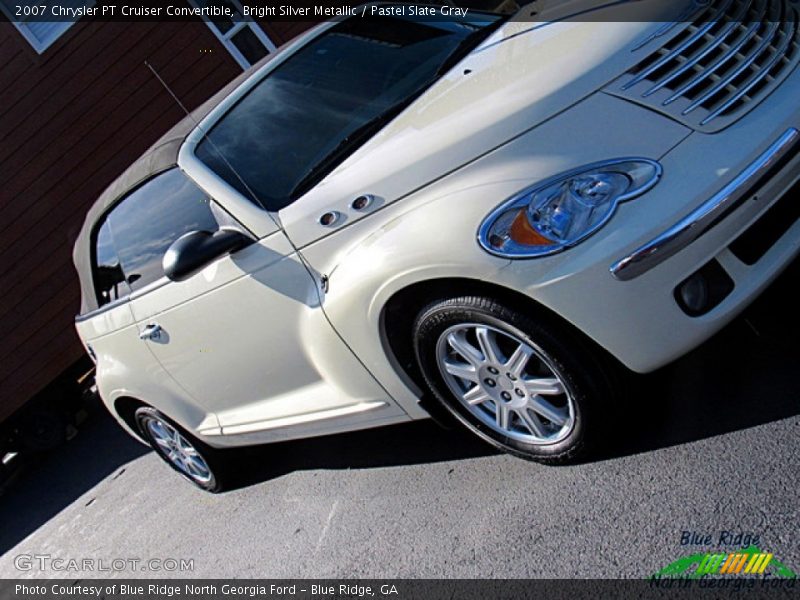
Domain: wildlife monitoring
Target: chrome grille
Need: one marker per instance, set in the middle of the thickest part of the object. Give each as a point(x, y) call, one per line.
point(726, 60)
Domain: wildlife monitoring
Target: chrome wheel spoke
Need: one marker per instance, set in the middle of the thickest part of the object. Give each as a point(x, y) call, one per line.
point(462, 371)
point(486, 340)
point(158, 430)
point(183, 445)
point(179, 451)
point(468, 352)
point(548, 386)
point(195, 466)
point(502, 416)
point(519, 360)
point(476, 395)
point(531, 423)
point(163, 443)
point(557, 416)
point(190, 467)
point(190, 451)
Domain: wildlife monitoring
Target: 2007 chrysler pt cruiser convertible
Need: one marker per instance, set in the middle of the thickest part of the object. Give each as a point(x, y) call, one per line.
point(479, 216)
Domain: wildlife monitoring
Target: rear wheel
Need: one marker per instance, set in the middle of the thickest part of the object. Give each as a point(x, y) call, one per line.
point(194, 460)
point(529, 387)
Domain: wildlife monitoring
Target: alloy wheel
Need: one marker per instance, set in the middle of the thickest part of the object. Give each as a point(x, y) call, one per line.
point(178, 450)
point(508, 383)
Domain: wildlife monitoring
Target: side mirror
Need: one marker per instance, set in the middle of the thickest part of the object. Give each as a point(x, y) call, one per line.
point(194, 250)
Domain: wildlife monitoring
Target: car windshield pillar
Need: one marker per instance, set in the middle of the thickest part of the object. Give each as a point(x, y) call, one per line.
point(309, 113)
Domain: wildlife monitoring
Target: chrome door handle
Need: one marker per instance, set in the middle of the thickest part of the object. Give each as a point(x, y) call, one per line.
point(151, 332)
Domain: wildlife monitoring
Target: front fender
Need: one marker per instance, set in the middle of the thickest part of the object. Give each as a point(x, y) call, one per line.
point(403, 250)
point(432, 233)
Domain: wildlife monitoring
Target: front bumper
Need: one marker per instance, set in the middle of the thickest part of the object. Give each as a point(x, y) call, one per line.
point(759, 174)
point(619, 287)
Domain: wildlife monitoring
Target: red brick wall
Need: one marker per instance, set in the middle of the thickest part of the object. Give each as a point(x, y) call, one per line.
point(71, 120)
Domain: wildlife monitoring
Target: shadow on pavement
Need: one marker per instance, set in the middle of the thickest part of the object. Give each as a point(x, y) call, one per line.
point(48, 483)
point(420, 442)
point(745, 376)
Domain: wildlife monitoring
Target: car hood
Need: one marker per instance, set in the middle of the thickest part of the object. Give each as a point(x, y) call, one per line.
point(524, 74)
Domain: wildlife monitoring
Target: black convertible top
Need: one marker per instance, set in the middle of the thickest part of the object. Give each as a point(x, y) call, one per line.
point(161, 156)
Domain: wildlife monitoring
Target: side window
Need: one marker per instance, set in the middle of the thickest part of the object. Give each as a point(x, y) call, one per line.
point(109, 281)
point(138, 231)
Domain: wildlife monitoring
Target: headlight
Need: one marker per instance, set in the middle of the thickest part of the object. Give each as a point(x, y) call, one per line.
point(565, 210)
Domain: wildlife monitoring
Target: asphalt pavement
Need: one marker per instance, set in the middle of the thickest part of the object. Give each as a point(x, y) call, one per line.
point(711, 446)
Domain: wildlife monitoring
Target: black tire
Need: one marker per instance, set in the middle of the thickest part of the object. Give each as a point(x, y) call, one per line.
point(218, 473)
point(583, 374)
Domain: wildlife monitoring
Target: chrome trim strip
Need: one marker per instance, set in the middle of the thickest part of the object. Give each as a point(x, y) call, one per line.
point(303, 419)
point(664, 30)
point(695, 224)
point(743, 66)
point(712, 68)
point(692, 12)
point(672, 54)
point(759, 76)
point(150, 287)
point(721, 37)
point(101, 309)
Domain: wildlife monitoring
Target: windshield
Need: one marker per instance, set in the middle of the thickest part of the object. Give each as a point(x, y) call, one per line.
point(331, 96)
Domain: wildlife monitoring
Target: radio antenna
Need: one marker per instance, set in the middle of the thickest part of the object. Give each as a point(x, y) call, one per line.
point(169, 91)
point(321, 287)
point(197, 124)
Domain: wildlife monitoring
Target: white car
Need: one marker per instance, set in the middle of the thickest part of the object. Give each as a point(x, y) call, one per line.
point(477, 217)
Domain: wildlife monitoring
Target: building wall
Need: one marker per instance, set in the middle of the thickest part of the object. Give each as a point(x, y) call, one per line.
point(71, 120)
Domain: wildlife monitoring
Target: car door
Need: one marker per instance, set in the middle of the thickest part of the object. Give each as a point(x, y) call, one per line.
point(110, 332)
point(245, 336)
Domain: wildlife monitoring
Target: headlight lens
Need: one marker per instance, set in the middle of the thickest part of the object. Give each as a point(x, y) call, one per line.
point(565, 210)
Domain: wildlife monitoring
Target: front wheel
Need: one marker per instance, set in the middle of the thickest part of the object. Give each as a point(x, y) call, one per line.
point(194, 460)
point(529, 387)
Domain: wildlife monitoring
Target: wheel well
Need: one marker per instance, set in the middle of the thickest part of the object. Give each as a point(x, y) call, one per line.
point(126, 408)
point(399, 313)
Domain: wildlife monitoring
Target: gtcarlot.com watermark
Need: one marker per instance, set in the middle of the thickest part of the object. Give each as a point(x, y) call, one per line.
point(48, 562)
